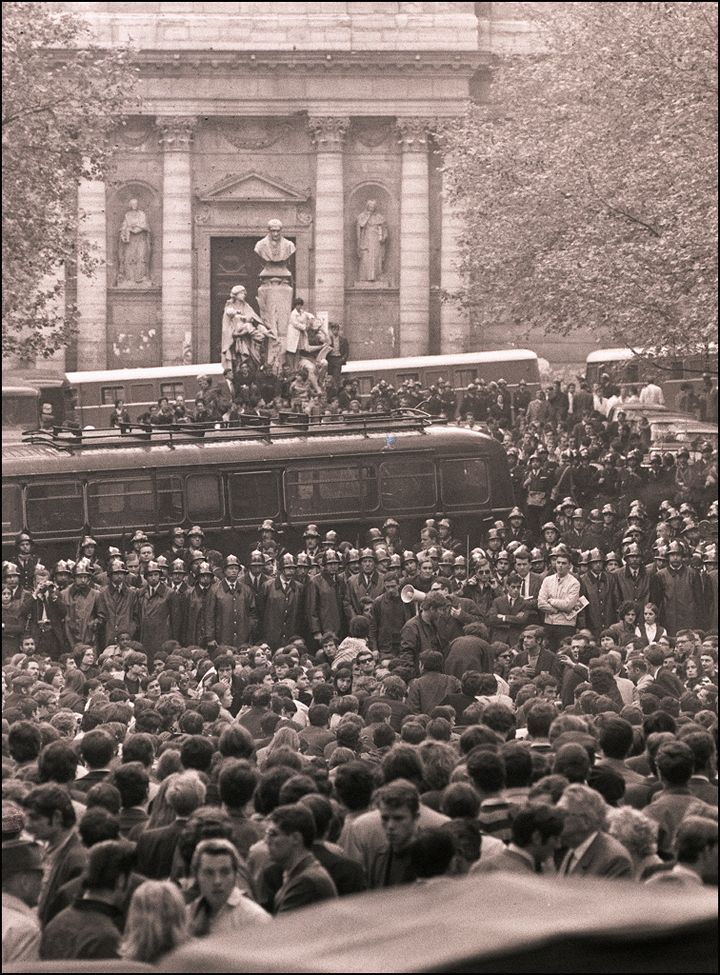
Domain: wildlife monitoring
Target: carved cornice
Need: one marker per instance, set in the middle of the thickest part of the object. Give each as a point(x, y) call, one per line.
point(328, 132)
point(247, 63)
point(176, 131)
point(413, 133)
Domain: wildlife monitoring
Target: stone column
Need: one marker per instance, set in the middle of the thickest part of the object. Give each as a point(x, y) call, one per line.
point(328, 134)
point(92, 288)
point(414, 238)
point(454, 320)
point(176, 134)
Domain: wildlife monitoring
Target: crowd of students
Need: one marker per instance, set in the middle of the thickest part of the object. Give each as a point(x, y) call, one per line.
point(196, 741)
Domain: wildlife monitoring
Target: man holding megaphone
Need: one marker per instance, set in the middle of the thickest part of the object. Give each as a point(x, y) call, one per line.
point(421, 632)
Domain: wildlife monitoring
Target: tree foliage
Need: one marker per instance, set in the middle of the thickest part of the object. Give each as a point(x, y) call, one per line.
point(61, 99)
point(588, 183)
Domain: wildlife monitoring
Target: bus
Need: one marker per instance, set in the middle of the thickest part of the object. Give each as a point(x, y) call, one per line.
point(636, 366)
point(347, 474)
point(24, 391)
point(20, 411)
point(96, 392)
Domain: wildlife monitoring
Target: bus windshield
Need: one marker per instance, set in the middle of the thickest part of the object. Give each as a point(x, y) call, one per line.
point(19, 407)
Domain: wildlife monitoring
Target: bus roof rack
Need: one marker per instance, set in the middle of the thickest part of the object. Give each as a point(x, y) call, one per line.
point(246, 427)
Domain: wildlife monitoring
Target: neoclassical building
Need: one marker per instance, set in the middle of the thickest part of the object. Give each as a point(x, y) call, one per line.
point(302, 112)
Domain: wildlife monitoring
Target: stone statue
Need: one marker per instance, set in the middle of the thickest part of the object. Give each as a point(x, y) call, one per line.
point(275, 291)
point(243, 332)
point(372, 235)
point(134, 249)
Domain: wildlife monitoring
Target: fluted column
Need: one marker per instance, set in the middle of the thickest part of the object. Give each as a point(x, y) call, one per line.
point(454, 320)
point(328, 133)
point(414, 237)
point(92, 288)
point(176, 134)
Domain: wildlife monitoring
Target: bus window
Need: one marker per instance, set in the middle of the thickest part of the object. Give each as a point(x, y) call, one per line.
point(465, 482)
point(172, 390)
point(365, 385)
point(119, 502)
point(204, 497)
point(20, 408)
point(142, 393)
point(169, 499)
point(332, 491)
point(55, 506)
point(407, 484)
point(253, 495)
point(413, 377)
point(12, 519)
point(463, 378)
point(108, 394)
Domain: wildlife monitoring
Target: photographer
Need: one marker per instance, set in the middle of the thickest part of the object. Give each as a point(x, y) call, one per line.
point(45, 616)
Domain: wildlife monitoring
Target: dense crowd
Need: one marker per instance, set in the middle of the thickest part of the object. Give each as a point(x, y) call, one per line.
point(197, 740)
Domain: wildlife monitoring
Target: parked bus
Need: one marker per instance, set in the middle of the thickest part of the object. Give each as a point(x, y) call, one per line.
point(24, 391)
point(347, 474)
point(20, 411)
point(636, 366)
point(97, 392)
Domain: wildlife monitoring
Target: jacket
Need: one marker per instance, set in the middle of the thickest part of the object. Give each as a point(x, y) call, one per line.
point(325, 605)
point(231, 616)
point(198, 601)
point(81, 613)
point(282, 611)
point(600, 613)
point(118, 611)
point(358, 587)
point(158, 616)
point(566, 591)
point(428, 691)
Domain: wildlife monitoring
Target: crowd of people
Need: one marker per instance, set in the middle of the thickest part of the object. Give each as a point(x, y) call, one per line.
point(196, 740)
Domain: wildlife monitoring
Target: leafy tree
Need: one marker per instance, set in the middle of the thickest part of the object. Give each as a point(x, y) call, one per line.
point(588, 181)
point(61, 99)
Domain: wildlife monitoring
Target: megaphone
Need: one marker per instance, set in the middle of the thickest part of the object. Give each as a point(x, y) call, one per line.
point(409, 594)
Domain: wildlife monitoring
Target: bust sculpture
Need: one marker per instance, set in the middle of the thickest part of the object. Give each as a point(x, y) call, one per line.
point(275, 292)
point(275, 250)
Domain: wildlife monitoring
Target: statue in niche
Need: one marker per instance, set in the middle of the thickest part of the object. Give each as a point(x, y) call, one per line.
point(134, 249)
point(275, 292)
point(372, 236)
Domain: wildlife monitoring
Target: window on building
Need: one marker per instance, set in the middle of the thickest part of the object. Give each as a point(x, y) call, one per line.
point(142, 393)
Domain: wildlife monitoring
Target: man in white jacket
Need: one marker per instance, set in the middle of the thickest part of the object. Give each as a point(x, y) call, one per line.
point(558, 599)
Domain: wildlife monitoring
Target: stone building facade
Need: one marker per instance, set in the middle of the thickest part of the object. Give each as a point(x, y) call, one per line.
point(297, 111)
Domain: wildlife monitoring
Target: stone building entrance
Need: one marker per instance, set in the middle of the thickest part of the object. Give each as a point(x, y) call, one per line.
point(232, 261)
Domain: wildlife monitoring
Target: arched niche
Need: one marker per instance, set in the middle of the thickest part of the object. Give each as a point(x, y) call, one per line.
point(386, 205)
point(118, 204)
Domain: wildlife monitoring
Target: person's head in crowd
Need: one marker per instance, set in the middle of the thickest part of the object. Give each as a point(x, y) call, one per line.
point(97, 825)
point(536, 829)
point(696, 843)
point(97, 749)
point(398, 803)
point(675, 763)
point(156, 922)
point(49, 813)
point(22, 873)
point(289, 834)
point(132, 781)
point(430, 852)
point(585, 813)
point(638, 833)
point(104, 795)
point(460, 801)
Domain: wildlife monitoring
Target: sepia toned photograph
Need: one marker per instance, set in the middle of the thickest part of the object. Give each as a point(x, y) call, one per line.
point(359, 487)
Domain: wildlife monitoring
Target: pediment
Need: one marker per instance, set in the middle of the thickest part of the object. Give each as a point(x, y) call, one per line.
point(251, 188)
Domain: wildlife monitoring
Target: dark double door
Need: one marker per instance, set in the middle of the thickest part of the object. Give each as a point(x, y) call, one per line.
point(232, 261)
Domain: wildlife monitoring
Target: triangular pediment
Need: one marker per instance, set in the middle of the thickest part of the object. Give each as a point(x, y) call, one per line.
point(251, 188)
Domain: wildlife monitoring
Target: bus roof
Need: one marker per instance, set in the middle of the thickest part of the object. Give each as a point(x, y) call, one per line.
point(357, 366)
point(159, 372)
point(12, 390)
point(613, 355)
point(439, 361)
point(29, 459)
